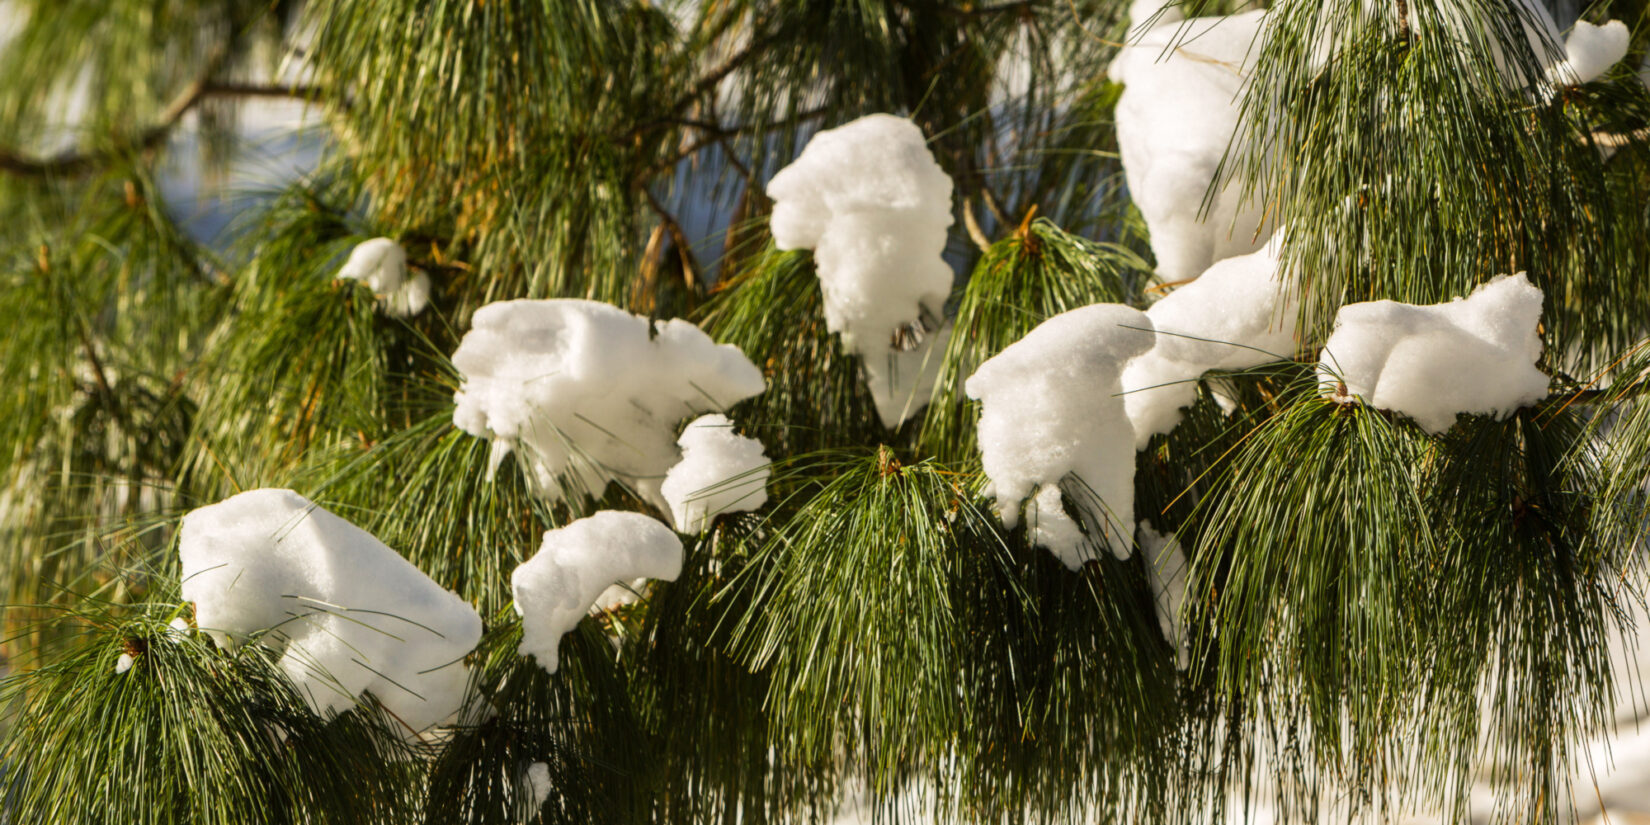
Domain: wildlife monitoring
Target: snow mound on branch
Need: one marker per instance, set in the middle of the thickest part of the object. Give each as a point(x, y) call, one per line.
point(1051, 409)
point(576, 563)
point(381, 264)
point(1590, 51)
point(720, 472)
point(1470, 355)
point(590, 393)
point(872, 203)
point(350, 614)
point(1182, 89)
point(1238, 314)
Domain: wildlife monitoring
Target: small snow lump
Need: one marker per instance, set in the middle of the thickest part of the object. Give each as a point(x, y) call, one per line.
point(1471, 355)
point(575, 564)
point(1052, 411)
point(1237, 314)
point(721, 471)
point(381, 264)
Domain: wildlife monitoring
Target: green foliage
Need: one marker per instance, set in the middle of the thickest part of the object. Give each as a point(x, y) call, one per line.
point(1375, 614)
point(190, 733)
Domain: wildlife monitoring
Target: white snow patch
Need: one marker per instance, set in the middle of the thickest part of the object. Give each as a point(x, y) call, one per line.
point(1470, 355)
point(124, 663)
point(381, 264)
point(1166, 569)
point(1051, 409)
point(1146, 15)
point(1182, 89)
point(1237, 314)
point(587, 394)
point(1589, 52)
point(576, 563)
point(350, 615)
point(872, 203)
point(720, 472)
point(538, 783)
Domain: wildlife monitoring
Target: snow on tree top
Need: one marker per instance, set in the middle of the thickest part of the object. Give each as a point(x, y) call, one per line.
point(720, 472)
point(381, 264)
point(588, 394)
point(1471, 355)
point(557, 586)
point(872, 203)
point(1051, 407)
point(350, 614)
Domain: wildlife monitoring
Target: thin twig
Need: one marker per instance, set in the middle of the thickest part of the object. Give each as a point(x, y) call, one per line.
point(77, 162)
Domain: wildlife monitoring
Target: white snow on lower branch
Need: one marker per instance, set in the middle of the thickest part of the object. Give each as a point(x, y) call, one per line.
point(1166, 569)
point(350, 615)
point(381, 264)
point(555, 589)
point(1051, 413)
point(720, 472)
point(872, 203)
point(588, 393)
point(1238, 314)
point(1431, 363)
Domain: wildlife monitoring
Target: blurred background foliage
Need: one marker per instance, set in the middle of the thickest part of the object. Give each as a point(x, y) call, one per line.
point(1356, 587)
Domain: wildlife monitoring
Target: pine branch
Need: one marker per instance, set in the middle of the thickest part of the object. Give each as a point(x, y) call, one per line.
point(78, 162)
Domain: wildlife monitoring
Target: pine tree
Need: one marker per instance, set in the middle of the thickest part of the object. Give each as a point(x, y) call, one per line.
point(1376, 612)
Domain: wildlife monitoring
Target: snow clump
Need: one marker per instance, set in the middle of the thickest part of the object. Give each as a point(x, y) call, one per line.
point(1237, 314)
point(720, 472)
point(381, 264)
point(1182, 89)
point(872, 203)
point(1051, 408)
point(350, 615)
point(538, 783)
point(1470, 355)
point(1589, 52)
point(576, 564)
point(590, 393)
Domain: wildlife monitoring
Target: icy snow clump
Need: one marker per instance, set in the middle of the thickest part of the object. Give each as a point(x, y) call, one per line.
point(575, 564)
point(381, 264)
point(1051, 408)
point(350, 614)
point(587, 395)
point(1237, 314)
point(871, 202)
point(1470, 355)
point(1175, 119)
point(720, 472)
